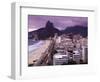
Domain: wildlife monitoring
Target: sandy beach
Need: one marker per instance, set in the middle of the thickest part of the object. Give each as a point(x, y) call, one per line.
point(35, 55)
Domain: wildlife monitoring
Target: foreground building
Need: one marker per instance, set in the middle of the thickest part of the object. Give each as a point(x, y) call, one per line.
point(75, 48)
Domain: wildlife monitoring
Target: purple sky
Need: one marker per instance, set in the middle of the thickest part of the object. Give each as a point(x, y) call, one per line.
point(61, 22)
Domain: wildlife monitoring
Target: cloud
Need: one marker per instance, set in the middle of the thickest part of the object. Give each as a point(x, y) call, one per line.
point(60, 22)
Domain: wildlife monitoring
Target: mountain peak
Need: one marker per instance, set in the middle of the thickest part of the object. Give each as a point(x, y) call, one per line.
point(49, 25)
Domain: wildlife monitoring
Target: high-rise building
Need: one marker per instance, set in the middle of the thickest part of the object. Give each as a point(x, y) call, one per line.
point(76, 56)
point(84, 54)
point(60, 59)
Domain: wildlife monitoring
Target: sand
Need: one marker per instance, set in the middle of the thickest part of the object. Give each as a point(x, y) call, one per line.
point(35, 55)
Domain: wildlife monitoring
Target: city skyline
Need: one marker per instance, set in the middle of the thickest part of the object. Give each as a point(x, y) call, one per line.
point(57, 40)
point(60, 22)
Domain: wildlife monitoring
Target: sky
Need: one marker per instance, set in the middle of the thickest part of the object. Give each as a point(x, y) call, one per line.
point(60, 22)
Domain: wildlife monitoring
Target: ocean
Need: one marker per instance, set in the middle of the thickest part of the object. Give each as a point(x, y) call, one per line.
point(35, 46)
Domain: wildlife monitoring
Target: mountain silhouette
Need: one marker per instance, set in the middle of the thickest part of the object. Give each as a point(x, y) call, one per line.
point(43, 33)
point(49, 30)
point(83, 31)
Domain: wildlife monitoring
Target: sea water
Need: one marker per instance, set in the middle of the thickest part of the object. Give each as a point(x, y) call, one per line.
point(35, 46)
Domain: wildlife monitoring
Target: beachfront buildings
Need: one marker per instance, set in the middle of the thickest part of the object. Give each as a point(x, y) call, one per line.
point(71, 49)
